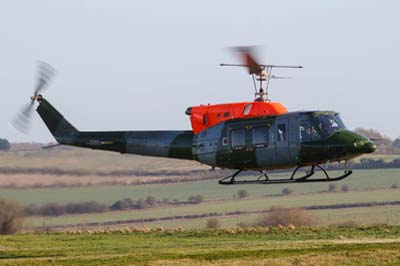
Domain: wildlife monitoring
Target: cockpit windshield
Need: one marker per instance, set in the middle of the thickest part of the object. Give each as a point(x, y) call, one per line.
point(329, 123)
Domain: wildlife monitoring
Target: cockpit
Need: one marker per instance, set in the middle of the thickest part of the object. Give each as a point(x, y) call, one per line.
point(328, 123)
point(320, 125)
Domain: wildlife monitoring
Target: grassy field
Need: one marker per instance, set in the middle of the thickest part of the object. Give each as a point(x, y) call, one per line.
point(366, 186)
point(251, 204)
point(373, 245)
point(358, 216)
point(301, 246)
point(361, 179)
point(86, 159)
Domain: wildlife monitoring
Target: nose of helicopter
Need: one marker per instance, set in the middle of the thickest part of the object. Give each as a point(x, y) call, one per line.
point(365, 146)
point(355, 143)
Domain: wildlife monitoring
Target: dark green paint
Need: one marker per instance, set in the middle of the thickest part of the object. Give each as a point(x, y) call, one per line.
point(340, 146)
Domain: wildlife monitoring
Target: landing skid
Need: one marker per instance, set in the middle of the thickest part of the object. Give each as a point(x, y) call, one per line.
point(265, 180)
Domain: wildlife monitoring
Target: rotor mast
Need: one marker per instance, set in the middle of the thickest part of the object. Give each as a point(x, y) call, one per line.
point(259, 72)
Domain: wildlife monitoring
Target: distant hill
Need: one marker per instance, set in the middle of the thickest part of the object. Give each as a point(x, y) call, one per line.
point(23, 146)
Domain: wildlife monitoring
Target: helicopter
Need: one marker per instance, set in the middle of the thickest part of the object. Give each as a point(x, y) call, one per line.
point(257, 136)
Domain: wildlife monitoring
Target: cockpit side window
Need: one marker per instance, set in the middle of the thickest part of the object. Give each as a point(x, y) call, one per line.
point(328, 123)
point(339, 120)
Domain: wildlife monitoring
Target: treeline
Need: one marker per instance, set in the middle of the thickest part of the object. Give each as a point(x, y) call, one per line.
point(368, 163)
point(384, 144)
point(55, 209)
point(379, 163)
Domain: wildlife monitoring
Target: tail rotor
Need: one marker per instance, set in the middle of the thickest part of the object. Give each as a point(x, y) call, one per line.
point(23, 119)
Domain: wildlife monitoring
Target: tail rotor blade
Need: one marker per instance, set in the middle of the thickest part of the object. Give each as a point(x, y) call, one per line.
point(45, 75)
point(22, 120)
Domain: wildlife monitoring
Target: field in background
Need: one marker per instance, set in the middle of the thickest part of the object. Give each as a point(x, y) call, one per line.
point(71, 158)
point(76, 168)
point(210, 189)
point(311, 246)
point(249, 205)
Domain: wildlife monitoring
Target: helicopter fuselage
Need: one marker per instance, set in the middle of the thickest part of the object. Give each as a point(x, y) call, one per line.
point(255, 143)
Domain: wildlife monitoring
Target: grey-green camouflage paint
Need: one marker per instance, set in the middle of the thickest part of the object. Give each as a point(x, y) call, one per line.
point(213, 145)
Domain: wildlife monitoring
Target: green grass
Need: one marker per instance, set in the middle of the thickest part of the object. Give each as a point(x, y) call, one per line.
point(361, 179)
point(302, 246)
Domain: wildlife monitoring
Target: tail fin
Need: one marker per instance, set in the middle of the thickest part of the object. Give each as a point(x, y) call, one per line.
point(59, 127)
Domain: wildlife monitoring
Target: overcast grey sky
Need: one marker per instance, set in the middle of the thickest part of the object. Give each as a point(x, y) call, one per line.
point(139, 64)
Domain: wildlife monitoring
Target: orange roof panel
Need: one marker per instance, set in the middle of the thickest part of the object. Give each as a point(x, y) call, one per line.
point(205, 116)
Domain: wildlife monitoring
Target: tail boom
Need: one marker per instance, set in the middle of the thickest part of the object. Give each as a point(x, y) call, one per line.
point(172, 144)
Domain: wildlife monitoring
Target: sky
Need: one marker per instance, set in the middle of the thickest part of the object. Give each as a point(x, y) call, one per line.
point(137, 65)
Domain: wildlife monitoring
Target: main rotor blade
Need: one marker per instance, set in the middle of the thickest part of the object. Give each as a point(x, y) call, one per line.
point(45, 73)
point(265, 66)
point(249, 59)
point(279, 77)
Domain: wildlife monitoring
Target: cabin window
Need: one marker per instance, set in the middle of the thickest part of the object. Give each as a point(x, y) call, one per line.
point(218, 115)
point(247, 108)
point(238, 139)
point(226, 114)
point(305, 130)
point(281, 132)
point(259, 137)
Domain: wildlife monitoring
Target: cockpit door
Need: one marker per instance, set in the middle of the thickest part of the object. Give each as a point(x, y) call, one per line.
point(282, 150)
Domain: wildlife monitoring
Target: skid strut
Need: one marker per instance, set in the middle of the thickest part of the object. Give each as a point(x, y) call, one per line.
point(265, 180)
